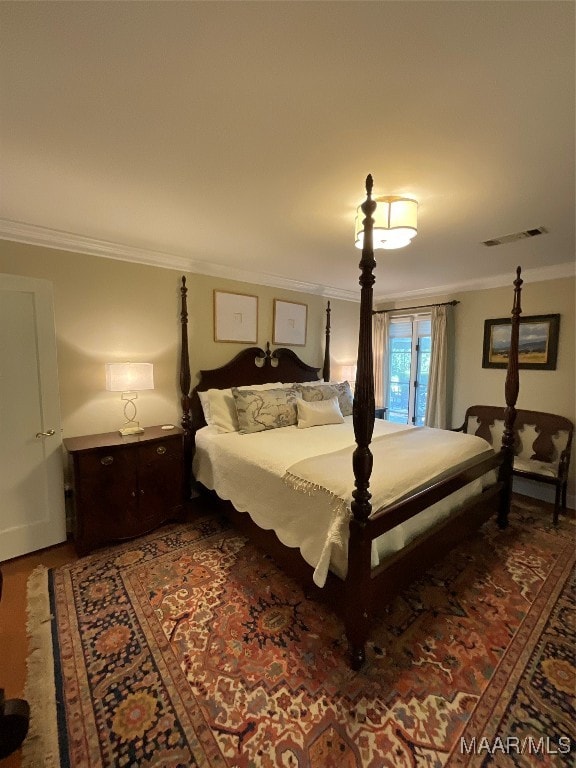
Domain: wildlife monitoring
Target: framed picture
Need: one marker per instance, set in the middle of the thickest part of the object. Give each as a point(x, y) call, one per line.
point(290, 321)
point(537, 344)
point(235, 317)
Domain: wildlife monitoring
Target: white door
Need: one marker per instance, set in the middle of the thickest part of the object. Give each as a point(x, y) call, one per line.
point(32, 512)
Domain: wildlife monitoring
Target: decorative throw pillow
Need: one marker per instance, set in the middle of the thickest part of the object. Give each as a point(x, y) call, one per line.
point(326, 391)
point(258, 410)
point(317, 413)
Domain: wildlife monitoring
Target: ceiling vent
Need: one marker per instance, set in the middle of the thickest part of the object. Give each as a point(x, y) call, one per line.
point(516, 236)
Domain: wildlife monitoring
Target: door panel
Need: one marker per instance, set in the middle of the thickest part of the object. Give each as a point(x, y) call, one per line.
point(31, 473)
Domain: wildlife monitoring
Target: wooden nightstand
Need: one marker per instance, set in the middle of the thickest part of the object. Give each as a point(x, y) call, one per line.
point(125, 486)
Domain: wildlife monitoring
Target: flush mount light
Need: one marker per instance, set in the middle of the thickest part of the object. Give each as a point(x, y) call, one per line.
point(395, 222)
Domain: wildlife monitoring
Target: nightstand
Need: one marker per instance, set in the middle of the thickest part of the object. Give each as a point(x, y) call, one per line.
point(125, 486)
point(380, 413)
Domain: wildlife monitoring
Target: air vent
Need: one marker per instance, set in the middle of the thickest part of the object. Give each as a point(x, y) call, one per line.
point(516, 236)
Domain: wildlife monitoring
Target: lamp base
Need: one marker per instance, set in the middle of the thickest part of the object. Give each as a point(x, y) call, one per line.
point(131, 431)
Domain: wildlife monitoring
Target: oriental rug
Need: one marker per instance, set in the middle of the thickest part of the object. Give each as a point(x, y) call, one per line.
point(188, 647)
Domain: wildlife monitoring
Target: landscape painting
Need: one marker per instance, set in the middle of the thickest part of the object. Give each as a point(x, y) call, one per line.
point(537, 343)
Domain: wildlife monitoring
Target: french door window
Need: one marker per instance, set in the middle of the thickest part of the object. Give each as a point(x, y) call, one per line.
point(409, 346)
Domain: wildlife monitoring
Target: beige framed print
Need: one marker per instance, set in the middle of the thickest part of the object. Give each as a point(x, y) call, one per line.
point(235, 317)
point(290, 320)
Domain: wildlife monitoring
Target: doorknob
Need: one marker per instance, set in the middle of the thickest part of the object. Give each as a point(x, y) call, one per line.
point(49, 433)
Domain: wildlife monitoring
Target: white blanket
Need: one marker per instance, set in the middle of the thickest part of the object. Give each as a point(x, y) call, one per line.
point(252, 472)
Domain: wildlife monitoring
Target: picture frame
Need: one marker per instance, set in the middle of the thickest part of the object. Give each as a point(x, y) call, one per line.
point(537, 344)
point(290, 323)
point(235, 317)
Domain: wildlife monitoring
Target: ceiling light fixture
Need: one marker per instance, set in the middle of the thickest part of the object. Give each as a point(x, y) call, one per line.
point(395, 222)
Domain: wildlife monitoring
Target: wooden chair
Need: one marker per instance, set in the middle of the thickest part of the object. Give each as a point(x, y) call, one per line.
point(543, 444)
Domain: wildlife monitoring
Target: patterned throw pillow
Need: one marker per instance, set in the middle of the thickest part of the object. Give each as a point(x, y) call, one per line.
point(327, 391)
point(268, 409)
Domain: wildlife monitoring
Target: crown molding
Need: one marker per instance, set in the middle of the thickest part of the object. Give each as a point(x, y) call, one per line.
point(536, 275)
point(67, 241)
point(44, 237)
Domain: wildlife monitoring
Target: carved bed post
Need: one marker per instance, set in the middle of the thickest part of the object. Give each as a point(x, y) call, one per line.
point(185, 382)
point(326, 367)
point(358, 599)
point(511, 389)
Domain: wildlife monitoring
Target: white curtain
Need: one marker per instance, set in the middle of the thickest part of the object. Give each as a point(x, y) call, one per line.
point(436, 406)
point(380, 353)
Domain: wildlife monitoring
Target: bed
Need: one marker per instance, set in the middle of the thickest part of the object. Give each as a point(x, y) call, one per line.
point(353, 507)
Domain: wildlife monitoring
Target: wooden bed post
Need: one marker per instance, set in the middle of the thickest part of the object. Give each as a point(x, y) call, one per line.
point(511, 389)
point(185, 382)
point(326, 367)
point(358, 580)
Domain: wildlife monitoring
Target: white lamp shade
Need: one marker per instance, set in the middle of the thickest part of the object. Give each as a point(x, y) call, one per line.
point(348, 373)
point(129, 377)
point(395, 223)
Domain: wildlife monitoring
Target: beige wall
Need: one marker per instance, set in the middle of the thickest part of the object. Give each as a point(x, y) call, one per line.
point(108, 311)
point(552, 391)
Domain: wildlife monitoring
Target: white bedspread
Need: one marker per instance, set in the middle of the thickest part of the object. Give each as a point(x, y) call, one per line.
point(257, 472)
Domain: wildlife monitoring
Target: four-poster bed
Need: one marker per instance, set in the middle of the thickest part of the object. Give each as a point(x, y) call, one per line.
point(351, 559)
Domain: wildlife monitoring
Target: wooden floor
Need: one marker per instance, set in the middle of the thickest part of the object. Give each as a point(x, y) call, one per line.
point(13, 634)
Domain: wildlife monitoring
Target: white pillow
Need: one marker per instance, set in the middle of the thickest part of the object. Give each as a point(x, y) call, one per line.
point(327, 391)
point(313, 383)
point(222, 410)
point(205, 403)
point(317, 413)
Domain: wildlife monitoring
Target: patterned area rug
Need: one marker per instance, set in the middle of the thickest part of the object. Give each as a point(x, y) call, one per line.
point(190, 648)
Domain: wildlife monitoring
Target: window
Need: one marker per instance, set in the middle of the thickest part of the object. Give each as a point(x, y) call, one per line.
point(409, 345)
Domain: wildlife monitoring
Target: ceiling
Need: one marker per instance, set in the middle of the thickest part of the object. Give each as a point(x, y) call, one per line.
point(234, 138)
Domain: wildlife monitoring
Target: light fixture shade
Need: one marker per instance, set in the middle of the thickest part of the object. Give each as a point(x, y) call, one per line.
point(348, 373)
point(395, 223)
point(129, 377)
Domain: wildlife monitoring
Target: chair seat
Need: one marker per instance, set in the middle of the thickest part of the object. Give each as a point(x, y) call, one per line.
point(534, 467)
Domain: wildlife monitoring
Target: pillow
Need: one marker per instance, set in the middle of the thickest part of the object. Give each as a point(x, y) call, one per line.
point(258, 410)
point(314, 383)
point(318, 413)
point(327, 391)
point(205, 403)
point(220, 409)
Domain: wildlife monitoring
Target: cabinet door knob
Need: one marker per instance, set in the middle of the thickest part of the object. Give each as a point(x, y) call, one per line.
point(161, 449)
point(106, 460)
